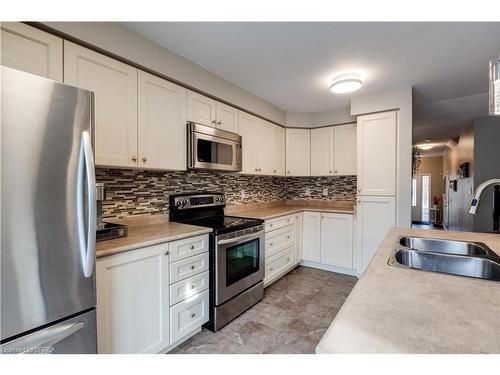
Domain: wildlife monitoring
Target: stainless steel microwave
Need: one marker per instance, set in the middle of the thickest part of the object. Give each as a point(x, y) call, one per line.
point(214, 149)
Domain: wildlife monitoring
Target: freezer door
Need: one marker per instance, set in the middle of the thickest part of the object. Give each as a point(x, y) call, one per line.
point(73, 336)
point(47, 202)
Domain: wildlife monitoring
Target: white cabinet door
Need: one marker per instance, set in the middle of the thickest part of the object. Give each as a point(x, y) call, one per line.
point(201, 109)
point(227, 117)
point(264, 148)
point(336, 240)
point(322, 140)
point(115, 88)
point(278, 150)
point(162, 123)
point(133, 301)
point(31, 50)
point(298, 238)
point(248, 128)
point(298, 152)
point(311, 239)
point(376, 150)
point(344, 150)
point(375, 216)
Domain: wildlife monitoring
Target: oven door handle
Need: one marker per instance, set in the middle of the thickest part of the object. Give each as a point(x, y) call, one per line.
point(238, 239)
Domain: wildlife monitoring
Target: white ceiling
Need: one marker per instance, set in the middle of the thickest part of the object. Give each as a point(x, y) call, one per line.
point(291, 64)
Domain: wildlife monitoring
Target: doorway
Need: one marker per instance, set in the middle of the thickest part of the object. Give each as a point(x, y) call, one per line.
point(421, 198)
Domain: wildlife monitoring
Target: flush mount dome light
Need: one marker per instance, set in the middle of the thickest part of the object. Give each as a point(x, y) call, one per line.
point(346, 83)
point(426, 146)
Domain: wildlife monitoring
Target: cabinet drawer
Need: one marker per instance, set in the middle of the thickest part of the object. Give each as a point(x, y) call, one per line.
point(188, 315)
point(279, 222)
point(280, 239)
point(189, 287)
point(279, 262)
point(188, 247)
point(185, 268)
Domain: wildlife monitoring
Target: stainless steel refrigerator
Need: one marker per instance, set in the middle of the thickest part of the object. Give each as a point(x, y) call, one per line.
point(48, 216)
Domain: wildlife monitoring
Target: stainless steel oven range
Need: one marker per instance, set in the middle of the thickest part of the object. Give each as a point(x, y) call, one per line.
point(236, 254)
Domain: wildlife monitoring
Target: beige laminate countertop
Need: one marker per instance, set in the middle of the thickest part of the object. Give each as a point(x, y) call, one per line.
point(266, 213)
point(399, 310)
point(148, 235)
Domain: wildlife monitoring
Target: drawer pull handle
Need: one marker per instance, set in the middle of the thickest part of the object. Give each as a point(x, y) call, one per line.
point(192, 267)
point(191, 247)
point(191, 286)
point(193, 315)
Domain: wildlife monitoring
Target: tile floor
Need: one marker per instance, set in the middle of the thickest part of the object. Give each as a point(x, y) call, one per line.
point(293, 316)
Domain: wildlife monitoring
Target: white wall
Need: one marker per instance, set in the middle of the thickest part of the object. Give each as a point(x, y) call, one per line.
point(395, 99)
point(119, 40)
point(312, 120)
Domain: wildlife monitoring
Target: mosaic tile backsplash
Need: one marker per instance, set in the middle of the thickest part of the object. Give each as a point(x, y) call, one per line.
point(142, 192)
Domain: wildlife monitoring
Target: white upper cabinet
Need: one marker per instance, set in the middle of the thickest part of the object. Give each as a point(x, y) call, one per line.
point(115, 88)
point(227, 117)
point(376, 154)
point(311, 238)
point(162, 123)
point(344, 150)
point(206, 111)
point(201, 109)
point(31, 50)
point(279, 150)
point(298, 152)
point(337, 240)
point(248, 127)
point(264, 148)
point(133, 301)
point(322, 143)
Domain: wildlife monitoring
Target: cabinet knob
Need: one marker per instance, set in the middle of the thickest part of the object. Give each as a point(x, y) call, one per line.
point(287, 172)
point(191, 286)
point(270, 269)
point(359, 201)
point(191, 247)
point(274, 171)
point(330, 172)
point(192, 315)
point(359, 190)
point(134, 158)
point(219, 123)
point(256, 169)
point(192, 267)
point(144, 159)
point(287, 237)
point(288, 259)
point(167, 252)
point(214, 122)
point(271, 224)
point(270, 244)
point(336, 171)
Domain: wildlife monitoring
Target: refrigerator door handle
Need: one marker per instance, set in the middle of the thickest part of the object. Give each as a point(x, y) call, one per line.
point(42, 341)
point(86, 240)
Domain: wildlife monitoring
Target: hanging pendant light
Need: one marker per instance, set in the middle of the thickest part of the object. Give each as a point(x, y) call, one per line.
point(495, 87)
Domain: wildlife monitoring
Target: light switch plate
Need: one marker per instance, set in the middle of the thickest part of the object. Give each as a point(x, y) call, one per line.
point(308, 192)
point(325, 192)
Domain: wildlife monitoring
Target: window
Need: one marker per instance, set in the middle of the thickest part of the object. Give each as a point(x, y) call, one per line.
point(414, 192)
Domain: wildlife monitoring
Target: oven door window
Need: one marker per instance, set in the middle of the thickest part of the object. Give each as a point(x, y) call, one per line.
point(214, 152)
point(242, 260)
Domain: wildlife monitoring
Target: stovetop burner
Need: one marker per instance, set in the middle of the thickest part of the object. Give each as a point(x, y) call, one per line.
point(207, 210)
point(225, 224)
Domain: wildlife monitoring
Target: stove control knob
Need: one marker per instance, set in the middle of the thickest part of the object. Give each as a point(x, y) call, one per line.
point(178, 203)
point(185, 201)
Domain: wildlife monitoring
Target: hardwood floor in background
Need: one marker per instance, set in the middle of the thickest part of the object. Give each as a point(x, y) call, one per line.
point(291, 319)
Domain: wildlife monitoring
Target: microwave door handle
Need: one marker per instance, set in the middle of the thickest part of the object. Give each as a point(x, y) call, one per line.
point(86, 237)
point(238, 239)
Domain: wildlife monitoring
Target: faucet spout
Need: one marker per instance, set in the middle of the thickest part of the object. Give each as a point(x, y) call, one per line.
point(474, 204)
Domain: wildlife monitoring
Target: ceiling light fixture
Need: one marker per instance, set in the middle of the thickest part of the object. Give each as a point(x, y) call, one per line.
point(346, 83)
point(426, 146)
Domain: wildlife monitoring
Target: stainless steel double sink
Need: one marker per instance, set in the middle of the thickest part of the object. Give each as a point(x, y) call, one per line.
point(471, 259)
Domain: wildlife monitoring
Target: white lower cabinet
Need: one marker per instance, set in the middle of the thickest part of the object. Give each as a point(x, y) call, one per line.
point(375, 216)
point(336, 240)
point(311, 236)
point(188, 315)
point(298, 237)
point(133, 301)
point(141, 308)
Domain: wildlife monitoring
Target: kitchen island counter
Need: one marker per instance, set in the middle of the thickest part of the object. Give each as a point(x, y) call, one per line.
point(402, 310)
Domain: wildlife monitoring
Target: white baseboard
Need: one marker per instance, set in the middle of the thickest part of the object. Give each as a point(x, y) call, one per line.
point(327, 267)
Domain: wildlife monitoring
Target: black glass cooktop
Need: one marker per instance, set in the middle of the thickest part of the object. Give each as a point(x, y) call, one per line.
point(225, 224)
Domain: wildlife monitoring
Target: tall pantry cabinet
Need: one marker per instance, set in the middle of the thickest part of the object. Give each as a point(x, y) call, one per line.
point(376, 181)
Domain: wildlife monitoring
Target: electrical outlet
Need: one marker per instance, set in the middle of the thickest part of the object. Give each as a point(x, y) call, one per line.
point(243, 195)
point(325, 192)
point(308, 192)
